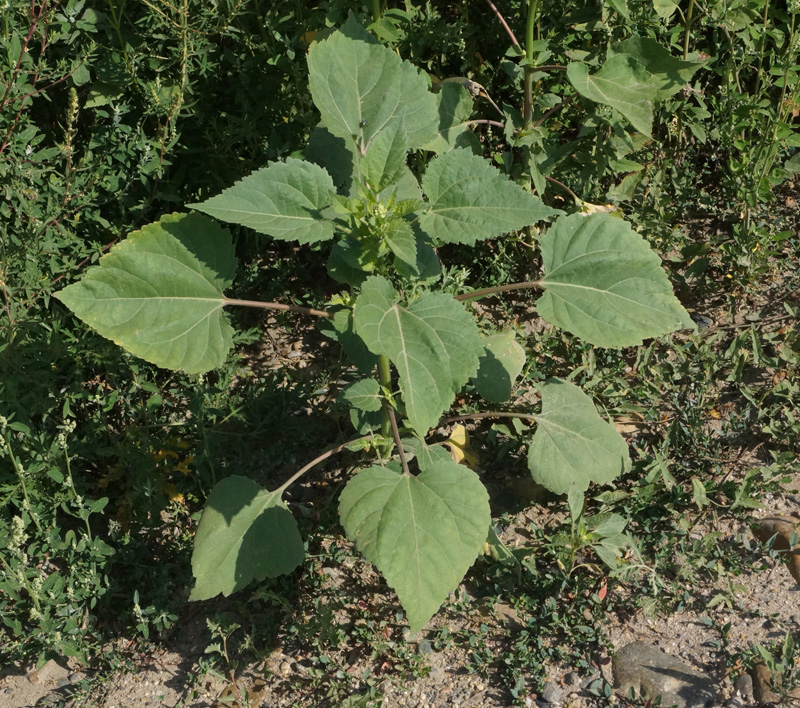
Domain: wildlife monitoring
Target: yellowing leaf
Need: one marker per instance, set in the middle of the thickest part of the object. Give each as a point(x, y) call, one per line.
point(460, 449)
point(588, 208)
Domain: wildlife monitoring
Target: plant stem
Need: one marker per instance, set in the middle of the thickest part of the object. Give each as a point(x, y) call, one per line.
point(277, 306)
point(687, 30)
point(488, 414)
point(504, 23)
point(759, 73)
point(385, 380)
point(376, 10)
point(527, 108)
point(396, 435)
point(21, 476)
point(483, 121)
point(564, 186)
point(770, 141)
point(321, 458)
point(498, 289)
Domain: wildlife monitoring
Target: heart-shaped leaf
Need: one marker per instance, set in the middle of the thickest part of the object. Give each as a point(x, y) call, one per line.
point(158, 294)
point(282, 200)
point(360, 87)
point(572, 443)
point(500, 364)
point(385, 160)
point(246, 533)
point(423, 533)
point(434, 343)
point(622, 83)
point(670, 73)
point(470, 200)
point(604, 283)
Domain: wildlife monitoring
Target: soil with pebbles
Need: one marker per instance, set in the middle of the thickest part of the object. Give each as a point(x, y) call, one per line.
point(763, 606)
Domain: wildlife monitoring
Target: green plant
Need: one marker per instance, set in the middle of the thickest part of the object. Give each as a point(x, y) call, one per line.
point(783, 671)
point(159, 294)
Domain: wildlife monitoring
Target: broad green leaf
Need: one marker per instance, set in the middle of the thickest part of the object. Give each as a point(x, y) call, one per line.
point(158, 294)
point(434, 343)
point(426, 267)
point(665, 8)
point(340, 328)
point(425, 455)
point(385, 160)
point(402, 241)
point(603, 283)
point(470, 200)
point(246, 533)
point(669, 73)
point(572, 443)
point(335, 155)
point(345, 262)
point(360, 87)
point(364, 395)
point(282, 200)
point(454, 106)
point(500, 364)
point(406, 189)
point(622, 83)
point(423, 533)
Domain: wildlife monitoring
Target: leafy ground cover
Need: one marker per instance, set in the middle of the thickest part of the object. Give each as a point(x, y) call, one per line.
point(111, 117)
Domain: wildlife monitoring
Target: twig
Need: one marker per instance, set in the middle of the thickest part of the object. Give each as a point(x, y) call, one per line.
point(504, 23)
point(498, 289)
point(495, 123)
point(396, 436)
point(278, 306)
point(321, 458)
point(488, 414)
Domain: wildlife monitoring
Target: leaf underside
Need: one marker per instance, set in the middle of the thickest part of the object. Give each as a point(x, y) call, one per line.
point(158, 294)
point(246, 533)
point(433, 342)
point(622, 83)
point(423, 533)
point(604, 283)
point(572, 443)
point(500, 364)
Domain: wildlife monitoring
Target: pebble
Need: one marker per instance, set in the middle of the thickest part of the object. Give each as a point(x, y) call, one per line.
point(651, 672)
point(744, 687)
point(573, 680)
point(424, 647)
point(552, 694)
point(74, 677)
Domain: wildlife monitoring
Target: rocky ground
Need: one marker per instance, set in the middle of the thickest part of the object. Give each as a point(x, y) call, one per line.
point(678, 656)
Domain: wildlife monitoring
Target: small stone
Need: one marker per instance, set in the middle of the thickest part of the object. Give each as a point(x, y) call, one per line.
point(589, 680)
point(424, 647)
point(48, 674)
point(573, 680)
point(61, 682)
point(551, 693)
point(286, 668)
point(650, 672)
point(74, 677)
point(743, 686)
point(781, 528)
point(761, 683)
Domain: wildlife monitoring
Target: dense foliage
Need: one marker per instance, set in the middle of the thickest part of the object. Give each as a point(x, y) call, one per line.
point(681, 118)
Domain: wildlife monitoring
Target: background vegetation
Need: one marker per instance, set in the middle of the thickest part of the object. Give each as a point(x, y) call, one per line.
point(114, 113)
